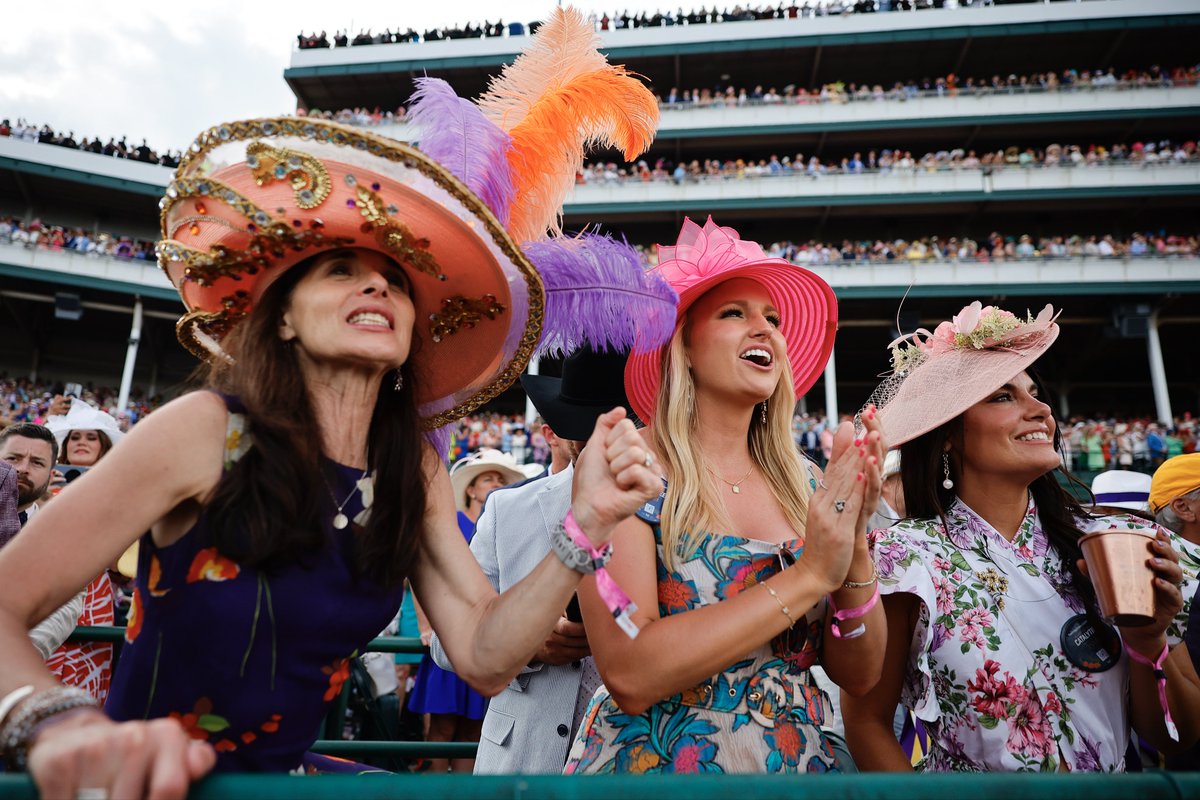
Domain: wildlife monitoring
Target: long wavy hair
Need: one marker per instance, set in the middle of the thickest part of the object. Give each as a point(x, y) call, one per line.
point(926, 498)
point(268, 510)
point(694, 501)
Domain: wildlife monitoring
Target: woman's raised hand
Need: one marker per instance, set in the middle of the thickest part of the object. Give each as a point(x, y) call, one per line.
point(614, 475)
point(154, 759)
point(839, 508)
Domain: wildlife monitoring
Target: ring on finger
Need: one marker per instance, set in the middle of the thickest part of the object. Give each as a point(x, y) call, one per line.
point(839, 506)
point(822, 484)
point(91, 793)
point(649, 462)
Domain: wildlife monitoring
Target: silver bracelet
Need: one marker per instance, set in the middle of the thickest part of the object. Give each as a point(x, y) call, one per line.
point(576, 557)
point(19, 729)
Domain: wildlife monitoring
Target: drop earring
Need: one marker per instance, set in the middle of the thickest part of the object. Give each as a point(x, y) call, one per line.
point(947, 483)
point(763, 415)
point(399, 384)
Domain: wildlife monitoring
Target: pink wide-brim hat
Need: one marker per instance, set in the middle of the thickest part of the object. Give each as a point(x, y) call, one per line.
point(944, 379)
point(704, 257)
point(252, 199)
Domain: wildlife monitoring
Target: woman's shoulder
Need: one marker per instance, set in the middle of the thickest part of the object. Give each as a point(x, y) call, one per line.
point(196, 415)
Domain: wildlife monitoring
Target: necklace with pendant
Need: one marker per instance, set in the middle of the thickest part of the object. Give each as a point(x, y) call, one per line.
point(365, 485)
point(736, 486)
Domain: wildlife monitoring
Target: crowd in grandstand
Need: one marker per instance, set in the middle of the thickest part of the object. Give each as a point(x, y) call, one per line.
point(114, 148)
point(37, 234)
point(898, 161)
point(1068, 80)
point(25, 400)
point(624, 20)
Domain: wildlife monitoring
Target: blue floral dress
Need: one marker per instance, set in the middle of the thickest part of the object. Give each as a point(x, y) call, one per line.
point(248, 660)
point(987, 673)
point(762, 713)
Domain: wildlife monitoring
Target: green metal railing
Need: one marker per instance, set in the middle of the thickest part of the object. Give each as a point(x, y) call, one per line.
point(1146, 786)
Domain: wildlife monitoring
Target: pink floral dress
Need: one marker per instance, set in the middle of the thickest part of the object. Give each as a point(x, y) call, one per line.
point(987, 671)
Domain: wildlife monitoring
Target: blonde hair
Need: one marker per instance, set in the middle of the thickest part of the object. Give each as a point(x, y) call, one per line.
point(694, 501)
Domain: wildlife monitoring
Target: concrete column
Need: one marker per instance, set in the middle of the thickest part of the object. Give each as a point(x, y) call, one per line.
point(1064, 404)
point(530, 409)
point(831, 398)
point(1158, 373)
point(135, 337)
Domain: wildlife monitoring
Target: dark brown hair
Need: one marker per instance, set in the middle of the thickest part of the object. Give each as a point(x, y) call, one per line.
point(926, 498)
point(105, 445)
point(268, 509)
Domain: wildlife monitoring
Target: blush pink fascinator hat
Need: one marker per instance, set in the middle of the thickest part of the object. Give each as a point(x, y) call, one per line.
point(703, 257)
point(937, 376)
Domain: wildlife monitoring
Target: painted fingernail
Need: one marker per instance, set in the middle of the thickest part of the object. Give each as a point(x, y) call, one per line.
point(858, 442)
point(1159, 562)
point(862, 452)
point(873, 460)
point(860, 476)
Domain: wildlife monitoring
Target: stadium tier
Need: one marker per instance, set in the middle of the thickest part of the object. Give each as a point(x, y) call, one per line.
point(839, 134)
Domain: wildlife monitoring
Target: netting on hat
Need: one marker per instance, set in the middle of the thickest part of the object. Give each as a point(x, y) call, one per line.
point(937, 376)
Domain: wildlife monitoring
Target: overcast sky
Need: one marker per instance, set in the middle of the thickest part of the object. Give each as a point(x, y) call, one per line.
point(164, 70)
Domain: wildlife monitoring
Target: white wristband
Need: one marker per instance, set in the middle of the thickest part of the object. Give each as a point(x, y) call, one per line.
point(11, 699)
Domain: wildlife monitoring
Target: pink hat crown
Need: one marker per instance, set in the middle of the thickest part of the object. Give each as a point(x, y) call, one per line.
point(701, 252)
point(976, 327)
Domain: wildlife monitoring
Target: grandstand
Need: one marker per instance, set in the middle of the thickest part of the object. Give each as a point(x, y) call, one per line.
point(1129, 322)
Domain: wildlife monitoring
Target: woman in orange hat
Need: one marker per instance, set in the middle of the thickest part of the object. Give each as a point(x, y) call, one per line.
point(730, 567)
point(995, 639)
point(351, 295)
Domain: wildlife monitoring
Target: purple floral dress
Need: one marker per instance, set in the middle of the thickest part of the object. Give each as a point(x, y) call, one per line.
point(247, 660)
point(762, 713)
point(986, 672)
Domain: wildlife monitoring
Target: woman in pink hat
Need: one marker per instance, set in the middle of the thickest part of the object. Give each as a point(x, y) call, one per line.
point(730, 568)
point(995, 640)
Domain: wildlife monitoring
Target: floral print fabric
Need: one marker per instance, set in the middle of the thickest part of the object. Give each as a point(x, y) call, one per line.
point(986, 671)
point(761, 714)
point(247, 660)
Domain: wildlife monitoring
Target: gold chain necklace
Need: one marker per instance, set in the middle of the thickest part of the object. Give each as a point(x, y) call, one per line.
point(736, 486)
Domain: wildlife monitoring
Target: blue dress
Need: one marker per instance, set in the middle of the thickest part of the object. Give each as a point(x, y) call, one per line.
point(247, 660)
point(439, 691)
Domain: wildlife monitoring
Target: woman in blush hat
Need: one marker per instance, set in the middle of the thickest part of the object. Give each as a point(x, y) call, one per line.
point(730, 568)
point(995, 640)
point(351, 294)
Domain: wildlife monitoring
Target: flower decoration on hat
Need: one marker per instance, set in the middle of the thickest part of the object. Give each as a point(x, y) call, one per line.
point(976, 327)
point(472, 214)
point(937, 376)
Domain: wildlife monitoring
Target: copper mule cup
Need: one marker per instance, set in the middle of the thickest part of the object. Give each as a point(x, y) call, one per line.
point(1116, 562)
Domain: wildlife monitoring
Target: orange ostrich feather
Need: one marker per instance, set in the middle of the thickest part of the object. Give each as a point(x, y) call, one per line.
point(557, 98)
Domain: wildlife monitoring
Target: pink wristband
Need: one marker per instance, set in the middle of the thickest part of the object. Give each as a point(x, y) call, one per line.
point(851, 613)
point(1160, 675)
point(613, 595)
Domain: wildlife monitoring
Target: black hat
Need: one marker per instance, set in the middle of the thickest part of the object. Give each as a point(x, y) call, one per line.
point(592, 383)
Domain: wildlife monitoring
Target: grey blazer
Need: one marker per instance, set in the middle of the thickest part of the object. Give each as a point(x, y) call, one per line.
point(528, 726)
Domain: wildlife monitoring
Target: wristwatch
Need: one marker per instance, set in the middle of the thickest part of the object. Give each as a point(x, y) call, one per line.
point(574, 556)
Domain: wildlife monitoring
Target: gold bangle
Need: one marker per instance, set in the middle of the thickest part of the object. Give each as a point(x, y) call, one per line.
point(786, 611)
point(863, 584)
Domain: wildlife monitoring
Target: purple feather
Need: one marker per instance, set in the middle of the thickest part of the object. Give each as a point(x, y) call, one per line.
point(599, 294)
point(456, 134)
point(439, 438)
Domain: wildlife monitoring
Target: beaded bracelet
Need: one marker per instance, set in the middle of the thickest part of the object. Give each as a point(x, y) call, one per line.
point(18, 730)
point(862, 584)
point(787, 612)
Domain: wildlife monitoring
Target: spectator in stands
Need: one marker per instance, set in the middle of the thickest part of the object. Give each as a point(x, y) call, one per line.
point(318, 401)
point(720, 397)
point(978, 447)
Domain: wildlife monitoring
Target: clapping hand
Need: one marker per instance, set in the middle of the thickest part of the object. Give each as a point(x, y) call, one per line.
point(843, 502)
point(614, 475)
